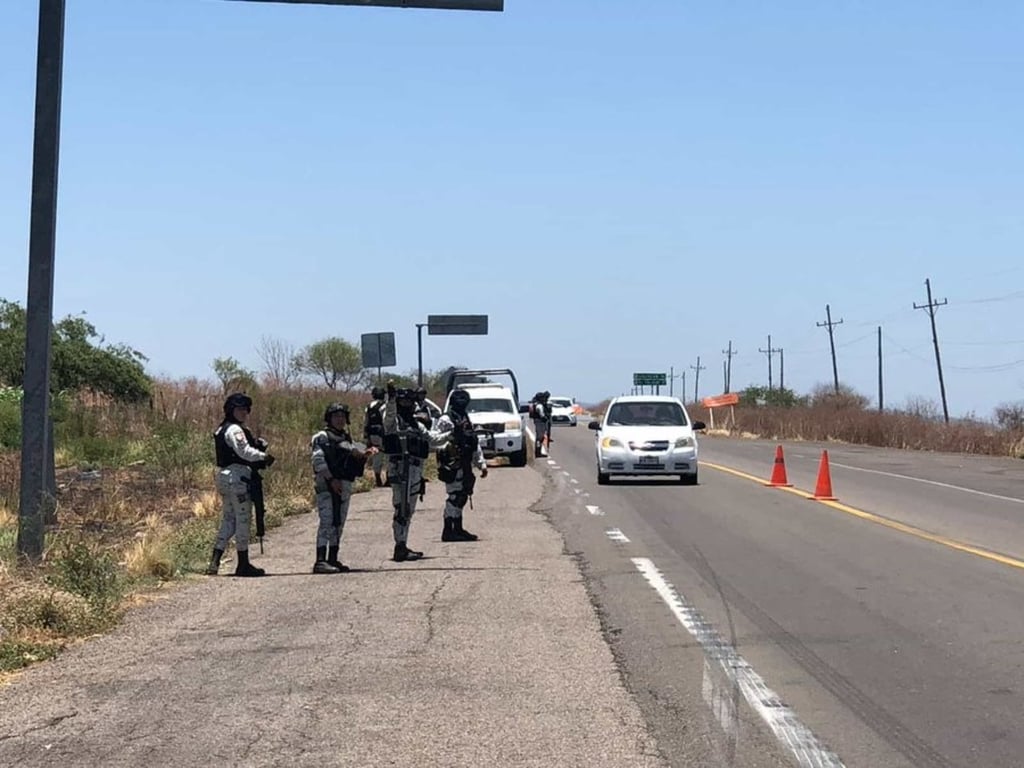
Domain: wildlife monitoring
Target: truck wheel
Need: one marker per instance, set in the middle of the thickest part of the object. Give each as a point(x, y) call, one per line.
point(518, 459)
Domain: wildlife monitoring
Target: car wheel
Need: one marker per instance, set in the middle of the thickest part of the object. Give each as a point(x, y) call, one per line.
point(518, 459)
point(688, 479)
point(603, 478)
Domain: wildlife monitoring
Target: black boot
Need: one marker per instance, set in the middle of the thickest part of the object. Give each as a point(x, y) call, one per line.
point(245, 568)
point(214, 566)
point(380, 480)
point(403, 553)
point(321, 565)
point(332, 559)
point(461, 532)
point(449, 533)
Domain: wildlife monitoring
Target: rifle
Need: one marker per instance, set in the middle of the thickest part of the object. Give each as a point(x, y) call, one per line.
point(259, 504)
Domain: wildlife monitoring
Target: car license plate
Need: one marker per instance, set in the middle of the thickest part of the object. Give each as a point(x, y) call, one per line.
point(648, 460)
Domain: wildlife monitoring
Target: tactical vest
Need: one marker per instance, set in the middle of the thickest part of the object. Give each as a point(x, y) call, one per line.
point(340, 462)
point(416, 443)
point(375, 418)
point(226, 455)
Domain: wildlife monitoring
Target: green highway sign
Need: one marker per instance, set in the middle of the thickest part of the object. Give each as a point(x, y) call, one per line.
point(649, 379)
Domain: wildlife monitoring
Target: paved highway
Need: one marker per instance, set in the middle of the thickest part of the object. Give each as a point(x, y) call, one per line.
point(760, 628)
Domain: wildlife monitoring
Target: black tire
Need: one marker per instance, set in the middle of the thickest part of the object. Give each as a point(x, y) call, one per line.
point(518, 459)
point(603, 478)
point(688, 479)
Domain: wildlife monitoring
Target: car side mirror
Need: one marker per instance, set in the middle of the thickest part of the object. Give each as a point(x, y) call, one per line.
point(594, 425)
point(699, 426)
point(524, 409)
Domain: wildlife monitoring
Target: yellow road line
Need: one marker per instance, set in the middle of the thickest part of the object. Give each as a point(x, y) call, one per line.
point(879, 520)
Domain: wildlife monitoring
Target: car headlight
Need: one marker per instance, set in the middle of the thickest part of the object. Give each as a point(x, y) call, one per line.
point(512, 425)
point(610, 442)
point(683, 442)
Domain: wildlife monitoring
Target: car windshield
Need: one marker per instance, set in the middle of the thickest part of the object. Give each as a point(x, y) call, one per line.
point(558, 402)
point(641, 414)
point(490, 404)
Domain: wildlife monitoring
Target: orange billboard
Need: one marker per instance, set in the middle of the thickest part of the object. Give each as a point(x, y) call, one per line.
point(719, 400)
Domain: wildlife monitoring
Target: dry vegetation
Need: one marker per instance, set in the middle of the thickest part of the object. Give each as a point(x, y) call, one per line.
point(136, 507)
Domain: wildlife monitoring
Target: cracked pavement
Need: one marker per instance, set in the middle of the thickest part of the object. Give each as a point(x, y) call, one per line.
point(483, 653)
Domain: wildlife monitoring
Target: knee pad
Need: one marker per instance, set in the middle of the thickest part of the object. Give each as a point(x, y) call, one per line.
point(459, 499)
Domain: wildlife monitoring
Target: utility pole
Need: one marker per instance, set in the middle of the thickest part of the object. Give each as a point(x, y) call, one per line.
point(696, 384)
point(770, 352)
point(931, 306)
point(832, 342)
point(682, 387)
point(725, 377)
point(728, 366)
point(881, 402)
point(782, 368)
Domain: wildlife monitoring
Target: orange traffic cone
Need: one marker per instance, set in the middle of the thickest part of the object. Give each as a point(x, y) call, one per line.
point(779, 479)
point(823, 488)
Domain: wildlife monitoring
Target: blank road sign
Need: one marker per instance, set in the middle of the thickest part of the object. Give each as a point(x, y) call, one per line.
point(457, 325)
point(378, 350)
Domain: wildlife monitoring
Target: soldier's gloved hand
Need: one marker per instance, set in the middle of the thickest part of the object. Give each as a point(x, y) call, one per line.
point(336, 485)
point(262, 444)
point(269, 460)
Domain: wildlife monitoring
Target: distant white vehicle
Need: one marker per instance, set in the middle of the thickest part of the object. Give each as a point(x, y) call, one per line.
point(563, 410)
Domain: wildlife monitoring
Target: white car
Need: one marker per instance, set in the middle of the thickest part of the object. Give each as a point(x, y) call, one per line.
point(646, 435)
point(496, 420)
point(563, 411)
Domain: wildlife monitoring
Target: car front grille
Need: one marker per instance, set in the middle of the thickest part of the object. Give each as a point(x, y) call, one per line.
point(491, 427)
point(651, 445)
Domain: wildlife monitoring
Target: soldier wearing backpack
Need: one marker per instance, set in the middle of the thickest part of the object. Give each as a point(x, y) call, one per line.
point(373, 432)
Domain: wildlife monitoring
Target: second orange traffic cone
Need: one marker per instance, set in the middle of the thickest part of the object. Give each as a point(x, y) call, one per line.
point(779, 479)
point(823, 488)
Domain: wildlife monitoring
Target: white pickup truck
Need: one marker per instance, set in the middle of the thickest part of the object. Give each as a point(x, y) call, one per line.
point(494, 411)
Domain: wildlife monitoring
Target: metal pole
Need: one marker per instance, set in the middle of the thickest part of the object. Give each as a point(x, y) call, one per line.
point(881, 401)
point(419, 353)
point(671, 381)
point(35, 504)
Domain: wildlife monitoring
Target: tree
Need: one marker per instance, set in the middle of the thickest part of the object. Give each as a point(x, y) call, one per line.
point(278, 357)
point(81, 360)
point(233, 377)
point(1011, 416)
point(776, 396)
point(334, 360)
point(845, 398)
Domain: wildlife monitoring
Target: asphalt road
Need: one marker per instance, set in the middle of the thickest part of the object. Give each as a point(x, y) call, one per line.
point(482, 654)
point(759, 628)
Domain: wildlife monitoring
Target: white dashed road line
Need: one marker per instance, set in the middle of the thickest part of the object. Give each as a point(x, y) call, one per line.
point(788, 729)
point(616, 535)
point(594, 510)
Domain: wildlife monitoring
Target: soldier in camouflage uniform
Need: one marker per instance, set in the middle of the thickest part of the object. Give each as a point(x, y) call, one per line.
point(408, 444)
point(337, 463)
point(455, 464)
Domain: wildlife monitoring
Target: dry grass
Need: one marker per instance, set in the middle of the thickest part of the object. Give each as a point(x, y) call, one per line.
point(136, 506)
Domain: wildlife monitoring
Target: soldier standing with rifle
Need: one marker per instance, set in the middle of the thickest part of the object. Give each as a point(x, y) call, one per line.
point(408, 444)
point(337, 462)
point(240, 456)
point(455, 464)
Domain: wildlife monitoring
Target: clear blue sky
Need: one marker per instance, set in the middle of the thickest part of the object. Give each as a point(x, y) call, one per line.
point(620, 186)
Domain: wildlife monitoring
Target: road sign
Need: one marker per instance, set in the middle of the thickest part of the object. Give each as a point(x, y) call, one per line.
point(457, 325)
point(378, 350)
point(649, 379)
